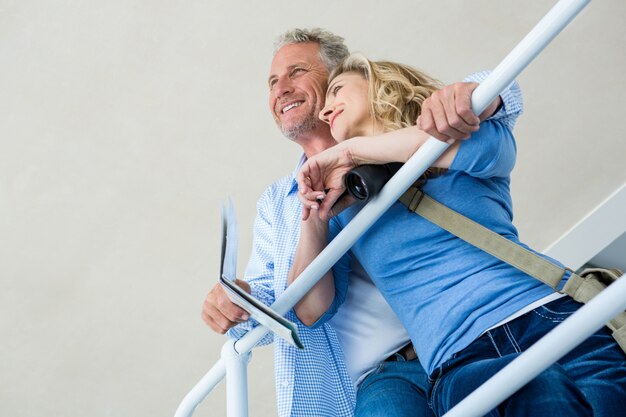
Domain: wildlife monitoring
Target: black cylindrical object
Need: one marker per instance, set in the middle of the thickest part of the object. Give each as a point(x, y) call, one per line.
point(366, 181)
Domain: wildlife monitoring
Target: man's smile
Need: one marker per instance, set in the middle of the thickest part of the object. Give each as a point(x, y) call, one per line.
point(291, 106)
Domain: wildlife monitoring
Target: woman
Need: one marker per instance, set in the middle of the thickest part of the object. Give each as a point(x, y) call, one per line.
point(468, 314)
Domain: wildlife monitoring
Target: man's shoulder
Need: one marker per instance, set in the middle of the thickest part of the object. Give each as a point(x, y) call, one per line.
point(279, 189)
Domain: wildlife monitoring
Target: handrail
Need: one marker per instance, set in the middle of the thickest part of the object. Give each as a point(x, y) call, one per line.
point(504, 74)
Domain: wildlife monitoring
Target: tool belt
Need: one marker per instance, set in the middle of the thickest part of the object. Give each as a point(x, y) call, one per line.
point(581, 288)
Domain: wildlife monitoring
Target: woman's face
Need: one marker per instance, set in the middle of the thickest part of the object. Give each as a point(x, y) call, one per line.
point(347, 109)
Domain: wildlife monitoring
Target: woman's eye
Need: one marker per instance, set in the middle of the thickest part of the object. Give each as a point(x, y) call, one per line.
point(336, 89)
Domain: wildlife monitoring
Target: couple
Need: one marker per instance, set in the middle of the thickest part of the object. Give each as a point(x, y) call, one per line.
point(320, 380)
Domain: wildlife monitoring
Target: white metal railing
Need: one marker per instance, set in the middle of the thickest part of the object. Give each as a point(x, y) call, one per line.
point(567, 335)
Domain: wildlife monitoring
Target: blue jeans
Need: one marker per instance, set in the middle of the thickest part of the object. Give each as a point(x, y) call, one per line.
point(590, 380)
point(394, 389)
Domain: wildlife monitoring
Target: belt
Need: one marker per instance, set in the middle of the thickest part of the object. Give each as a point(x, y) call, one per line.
point(407, 353)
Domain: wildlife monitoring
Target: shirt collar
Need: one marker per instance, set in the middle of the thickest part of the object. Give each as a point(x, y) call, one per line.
point(294, 175)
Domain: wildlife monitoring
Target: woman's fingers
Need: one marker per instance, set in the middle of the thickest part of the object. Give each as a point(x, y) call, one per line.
point(326, 209)
point(321, 182)
point(310, 201)
point(303, 179)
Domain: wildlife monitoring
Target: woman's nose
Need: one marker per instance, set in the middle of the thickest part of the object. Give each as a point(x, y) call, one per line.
point(325, 113)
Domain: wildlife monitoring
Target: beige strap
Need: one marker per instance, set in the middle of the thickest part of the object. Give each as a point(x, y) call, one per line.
point(584, 288)
point(620, 336)
point(589, 283)
point(581, 288)
point(483, 238)
point(618, 323)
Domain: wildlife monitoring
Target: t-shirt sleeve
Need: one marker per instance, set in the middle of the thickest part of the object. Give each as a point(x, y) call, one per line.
point(489, 152)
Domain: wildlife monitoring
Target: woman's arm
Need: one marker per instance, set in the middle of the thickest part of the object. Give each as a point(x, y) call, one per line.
point(396, 146)
point(313, 239)
point(322, 176)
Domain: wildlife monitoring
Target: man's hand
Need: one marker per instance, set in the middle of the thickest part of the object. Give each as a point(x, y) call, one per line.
point(219, 313)
point(447, 114)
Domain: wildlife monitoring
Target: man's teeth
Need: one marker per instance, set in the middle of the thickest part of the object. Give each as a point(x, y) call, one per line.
point(291, 106)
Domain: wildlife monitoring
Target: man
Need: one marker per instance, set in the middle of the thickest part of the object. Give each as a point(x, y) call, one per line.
point(320, 380)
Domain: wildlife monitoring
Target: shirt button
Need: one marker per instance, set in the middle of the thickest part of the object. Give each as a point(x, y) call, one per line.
point(285, 383)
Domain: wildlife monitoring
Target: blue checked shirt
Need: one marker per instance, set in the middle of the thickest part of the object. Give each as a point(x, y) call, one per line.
point(313, 381)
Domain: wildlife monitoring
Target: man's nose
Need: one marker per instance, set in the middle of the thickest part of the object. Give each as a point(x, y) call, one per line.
point(282, 87)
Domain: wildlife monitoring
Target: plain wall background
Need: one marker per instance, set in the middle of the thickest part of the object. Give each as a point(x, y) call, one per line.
point(124, 123)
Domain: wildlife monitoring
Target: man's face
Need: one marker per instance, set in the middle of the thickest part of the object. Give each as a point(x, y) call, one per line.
point(297, 82)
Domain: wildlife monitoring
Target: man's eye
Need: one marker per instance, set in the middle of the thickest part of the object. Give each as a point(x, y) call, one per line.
point(297, 70)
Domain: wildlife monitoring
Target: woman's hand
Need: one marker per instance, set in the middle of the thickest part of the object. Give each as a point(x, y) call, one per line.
point(321, 182)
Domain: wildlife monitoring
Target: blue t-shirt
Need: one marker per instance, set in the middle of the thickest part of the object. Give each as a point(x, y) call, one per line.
point(445, 291)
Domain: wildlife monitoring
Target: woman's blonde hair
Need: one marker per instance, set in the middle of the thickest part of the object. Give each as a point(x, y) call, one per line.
point(396, 91)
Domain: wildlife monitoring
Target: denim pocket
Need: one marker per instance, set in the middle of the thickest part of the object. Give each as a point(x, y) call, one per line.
point(557, 310)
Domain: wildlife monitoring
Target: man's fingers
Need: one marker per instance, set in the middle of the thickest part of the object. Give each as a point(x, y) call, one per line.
point(433, 121)
point(221, 313)
point(447, 113)
point(468, 121)
point(460, 120)
point(444, 129)
point(243, 284)
point(447, 121)
point(426, 122)
point(215, 320)
point(463, 104)
point(214, 325)
point(231, 311)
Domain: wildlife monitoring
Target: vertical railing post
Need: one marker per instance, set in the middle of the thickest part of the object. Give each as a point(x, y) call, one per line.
point(236, 380)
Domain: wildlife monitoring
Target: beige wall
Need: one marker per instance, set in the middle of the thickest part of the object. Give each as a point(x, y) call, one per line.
point(124, 123)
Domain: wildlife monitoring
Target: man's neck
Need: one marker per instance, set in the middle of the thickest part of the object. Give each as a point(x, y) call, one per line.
point(315, 142)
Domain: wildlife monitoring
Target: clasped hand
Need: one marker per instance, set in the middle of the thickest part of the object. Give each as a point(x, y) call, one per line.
point(321, 186)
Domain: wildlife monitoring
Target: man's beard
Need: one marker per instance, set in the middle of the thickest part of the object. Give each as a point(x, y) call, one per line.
point(306, 125)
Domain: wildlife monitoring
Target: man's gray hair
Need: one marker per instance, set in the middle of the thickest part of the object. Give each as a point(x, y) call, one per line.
point(332, 48)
